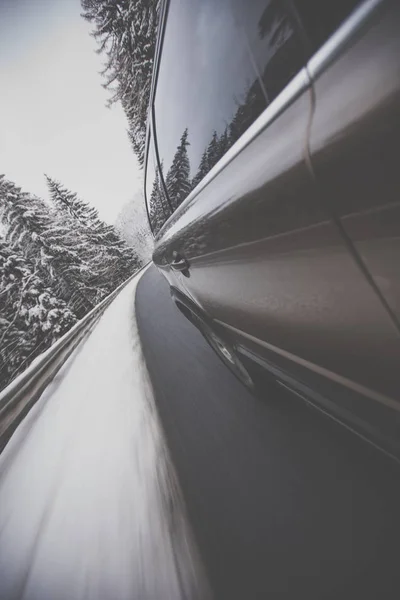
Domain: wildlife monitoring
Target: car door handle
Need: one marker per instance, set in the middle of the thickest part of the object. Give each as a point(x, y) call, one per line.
point(180, 264)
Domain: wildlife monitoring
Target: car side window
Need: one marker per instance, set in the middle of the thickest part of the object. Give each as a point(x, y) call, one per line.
point(270, 28)
point(158, 207)
point(222, 63)
point(321, 18)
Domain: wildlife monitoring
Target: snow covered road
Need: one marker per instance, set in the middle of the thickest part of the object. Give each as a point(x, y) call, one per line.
point(89, 503)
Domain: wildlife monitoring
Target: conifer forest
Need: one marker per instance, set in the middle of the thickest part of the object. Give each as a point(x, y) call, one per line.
point(58, 259)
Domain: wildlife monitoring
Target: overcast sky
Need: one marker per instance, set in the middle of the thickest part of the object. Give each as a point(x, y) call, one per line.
point(53, 117)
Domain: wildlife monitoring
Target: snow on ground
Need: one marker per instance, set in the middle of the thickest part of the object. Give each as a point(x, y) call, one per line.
point(89, 504)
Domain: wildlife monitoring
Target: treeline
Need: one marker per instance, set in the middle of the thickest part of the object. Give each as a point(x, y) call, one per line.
point(277, 25)
point(126, 34)
point(179, 180)
point(58, 259)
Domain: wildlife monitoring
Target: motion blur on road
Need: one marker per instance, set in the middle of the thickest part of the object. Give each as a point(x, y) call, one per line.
point(89, 503)
point(186, 486)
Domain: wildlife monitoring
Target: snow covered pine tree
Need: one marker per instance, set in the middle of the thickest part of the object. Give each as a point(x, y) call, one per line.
point(49, 243)
point(31, 317)
point(109, 258)
point(56, 263)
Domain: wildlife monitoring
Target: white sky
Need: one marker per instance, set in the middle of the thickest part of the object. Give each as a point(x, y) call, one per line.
point(53, 117)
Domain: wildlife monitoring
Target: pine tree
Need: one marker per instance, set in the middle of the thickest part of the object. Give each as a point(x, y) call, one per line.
point(31, 316)
point(211, 155)
point(14, 346)
point(126, 33)
point(111, 261)
point(178, 180)
point(202, 170)
point(213, 151)
point(157, 212)
point(49, 244)
point(69, 202)
point(223, 144)
point(164, 200)
point(253, 105)
point(238, 124)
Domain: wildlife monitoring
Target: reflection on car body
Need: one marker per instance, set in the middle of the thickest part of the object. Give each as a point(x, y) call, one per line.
point(272, 186)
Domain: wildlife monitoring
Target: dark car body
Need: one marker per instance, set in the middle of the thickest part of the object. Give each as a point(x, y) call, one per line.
point(287, 243)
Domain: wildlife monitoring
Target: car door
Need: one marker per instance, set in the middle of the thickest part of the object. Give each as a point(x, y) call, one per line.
point(267, 259)
point(355, 150)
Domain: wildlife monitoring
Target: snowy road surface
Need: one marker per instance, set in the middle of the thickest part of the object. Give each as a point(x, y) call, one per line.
point(89, 504)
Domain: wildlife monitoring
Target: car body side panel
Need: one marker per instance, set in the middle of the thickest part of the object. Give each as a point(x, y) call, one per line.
point(298, 264)
point(355, 145)
point(265, 258)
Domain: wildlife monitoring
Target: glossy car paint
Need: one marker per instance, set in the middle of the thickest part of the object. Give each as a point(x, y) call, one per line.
point(355, 145)
point(292, 238)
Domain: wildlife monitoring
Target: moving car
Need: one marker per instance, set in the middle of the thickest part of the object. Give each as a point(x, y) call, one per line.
point(272, 181)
